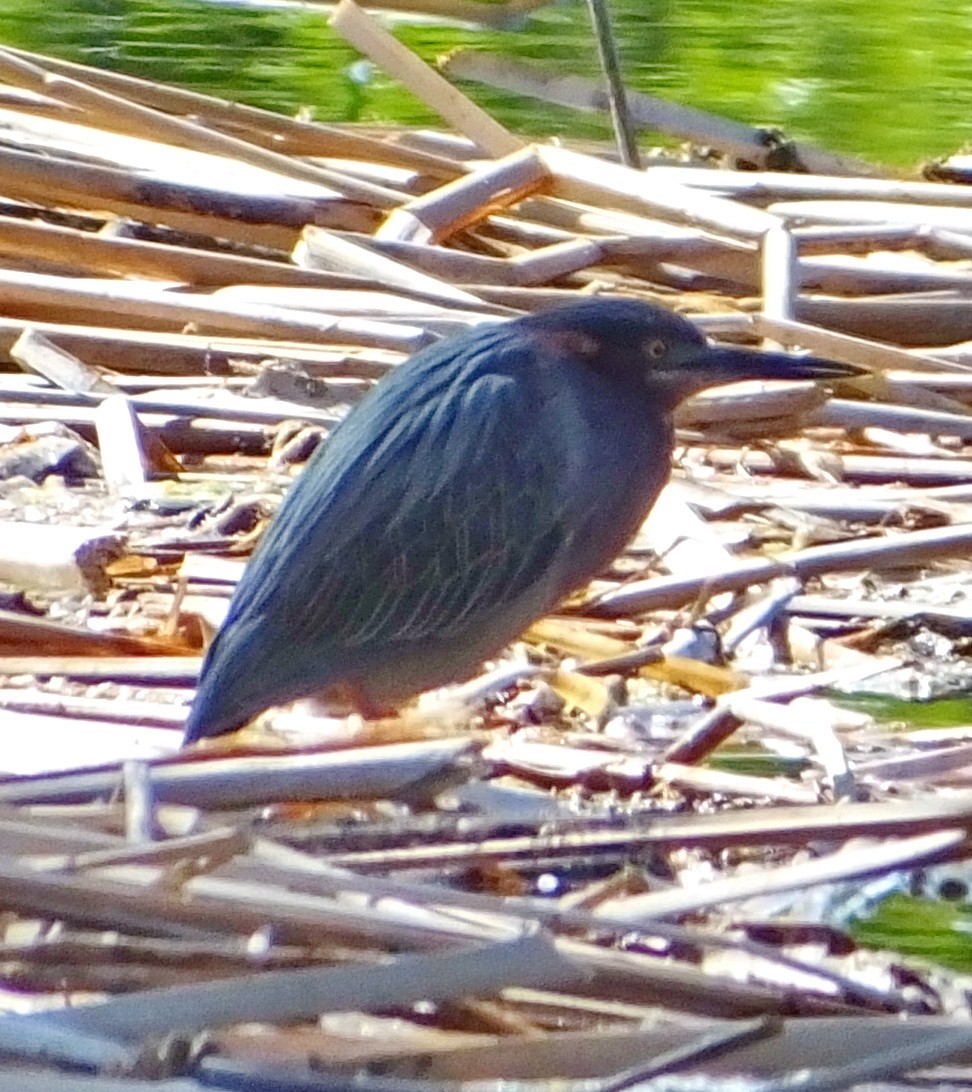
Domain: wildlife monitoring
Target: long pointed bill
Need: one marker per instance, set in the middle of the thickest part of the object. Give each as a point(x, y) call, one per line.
point(726, 364)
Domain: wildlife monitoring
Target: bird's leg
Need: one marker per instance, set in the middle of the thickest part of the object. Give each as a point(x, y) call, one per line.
point(332, 716)
point(341, 715)
point(385, 724)
point(256, 735)
point(366, 707)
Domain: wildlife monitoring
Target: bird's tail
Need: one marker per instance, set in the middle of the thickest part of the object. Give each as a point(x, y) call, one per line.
point(227, 695)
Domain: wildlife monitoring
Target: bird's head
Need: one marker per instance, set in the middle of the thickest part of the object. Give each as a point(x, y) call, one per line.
point(648, 350)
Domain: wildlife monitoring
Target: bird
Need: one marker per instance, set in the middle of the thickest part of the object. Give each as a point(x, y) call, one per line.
point(477, 485)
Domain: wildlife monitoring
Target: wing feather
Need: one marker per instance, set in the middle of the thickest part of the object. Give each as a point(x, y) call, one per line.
point(451, 513)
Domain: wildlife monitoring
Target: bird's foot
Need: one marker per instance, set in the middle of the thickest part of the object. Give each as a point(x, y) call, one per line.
point(312, 722)
point(256, 737)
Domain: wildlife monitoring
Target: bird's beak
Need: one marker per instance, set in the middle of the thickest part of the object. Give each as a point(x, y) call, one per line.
point(727, 364)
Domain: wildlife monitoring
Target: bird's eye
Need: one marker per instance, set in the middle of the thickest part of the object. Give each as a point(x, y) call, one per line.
point(655, 348)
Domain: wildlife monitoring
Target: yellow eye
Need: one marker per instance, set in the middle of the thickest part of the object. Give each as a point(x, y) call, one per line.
point(655, 348)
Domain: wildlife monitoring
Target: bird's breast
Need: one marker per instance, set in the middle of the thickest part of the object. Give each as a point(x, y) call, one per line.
point(621, 460)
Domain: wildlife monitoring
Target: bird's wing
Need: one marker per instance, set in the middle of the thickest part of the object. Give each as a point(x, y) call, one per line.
point(454, 511)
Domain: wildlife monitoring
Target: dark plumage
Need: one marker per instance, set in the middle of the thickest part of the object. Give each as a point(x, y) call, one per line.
point(482, 481)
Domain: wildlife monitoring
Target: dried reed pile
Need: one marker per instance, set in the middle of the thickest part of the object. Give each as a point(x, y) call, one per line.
point(632, 858)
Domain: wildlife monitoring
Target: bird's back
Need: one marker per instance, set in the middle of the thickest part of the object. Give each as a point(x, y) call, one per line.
point(428, 531)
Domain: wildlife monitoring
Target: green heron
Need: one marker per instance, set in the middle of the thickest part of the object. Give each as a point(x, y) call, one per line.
point(480, 483)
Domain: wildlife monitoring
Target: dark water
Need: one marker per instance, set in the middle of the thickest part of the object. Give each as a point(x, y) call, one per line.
point(885, 79)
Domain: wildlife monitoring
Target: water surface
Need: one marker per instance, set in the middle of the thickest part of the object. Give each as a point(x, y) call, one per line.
point(886, 79)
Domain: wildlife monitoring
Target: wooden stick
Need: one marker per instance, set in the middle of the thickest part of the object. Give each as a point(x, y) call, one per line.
point(846, 349)
point(937, 243)
point(592, 181)
point(647, 112)
point(38, 295)
point(920, 320)
point(853, 274)
point(90, 665)
point(367, 35)
point(886, 609)
point(607, 47)
point(291, 136)
point(22, 631)
point(855, 239)
point(795, 826)
point(844, 866)
point(779, 274)
point(579, 93)
point(140, 827)
point(254, 220)
point(505, 15)
point(113, 256)
point(436, 215)
point(955, 384)
point(456, 266)
point(38, 404)
point(122, 443)
point(29, 102)
point(748, 400)
point(36, 353)
point(950, 217)
point(841, 413)
point(913, 547)
point(188, 355)
point(50, 557)
point(325, 250)
point(196, 433)
point(550, 263)
point(925, 471)
point(763, 187)
point(120, 115)
point(221, 844)
point(137, 712)
point(230, 781)
point(292, 995)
